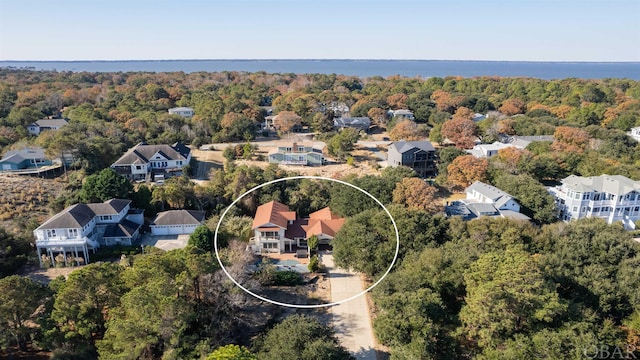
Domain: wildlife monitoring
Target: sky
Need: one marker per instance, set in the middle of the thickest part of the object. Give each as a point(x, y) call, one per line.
point(516, 30)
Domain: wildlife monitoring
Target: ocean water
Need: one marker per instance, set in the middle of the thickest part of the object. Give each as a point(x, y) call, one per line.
point(361, 68)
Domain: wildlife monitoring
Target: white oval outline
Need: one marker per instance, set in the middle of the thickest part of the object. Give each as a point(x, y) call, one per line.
point(303, 306)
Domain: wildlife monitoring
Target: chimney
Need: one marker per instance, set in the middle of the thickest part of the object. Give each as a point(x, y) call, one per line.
point(294, 147)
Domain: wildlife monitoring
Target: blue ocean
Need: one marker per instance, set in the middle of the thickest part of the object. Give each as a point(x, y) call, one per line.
point(361, 68)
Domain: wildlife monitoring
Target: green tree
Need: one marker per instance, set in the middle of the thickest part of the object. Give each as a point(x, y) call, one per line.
point(13, 252)
point(300, 337)
point(507, 294)
point(202, 238)
point(105, 185)
point(365, 243)
point(20, 298)
point(82, 306)
point(231, 352)
point(531, 194)
point(342, 143)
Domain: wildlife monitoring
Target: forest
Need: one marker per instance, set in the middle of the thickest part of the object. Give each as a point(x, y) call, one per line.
point(486, 289)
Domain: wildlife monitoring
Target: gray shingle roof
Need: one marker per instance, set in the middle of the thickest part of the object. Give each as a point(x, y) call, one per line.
point(125, 229)
point(355, 122)
point(404, 146)
point(110, 207)
point(51, 122)
point(16, 156)
point(179, 217)
point(612, 184)
point(496, 195)
point(141, 153)
point(79, 215)
point(75, 216)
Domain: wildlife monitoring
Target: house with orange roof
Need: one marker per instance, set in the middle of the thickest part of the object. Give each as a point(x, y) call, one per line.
point(278, 229)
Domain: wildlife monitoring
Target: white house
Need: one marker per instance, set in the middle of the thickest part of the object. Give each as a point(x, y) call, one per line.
point(486, 200)
point(635, 133)
point(307, 154)
point(153, 162)
point(46, 124)
point(610, 197)
point(177, 222)
point(401, 114)
point(186, 112)
point(488, 150)
point(83, 227)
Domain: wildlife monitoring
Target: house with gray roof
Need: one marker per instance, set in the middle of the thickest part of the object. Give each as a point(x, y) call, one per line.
point(153, 162)
point(485, 200)
point(401, 114)
point(610, 197)
point(185, 112)
point(46, 124)
point(31, 157)
point(487, 150)
point(521, 142)
point(418, 155)
point(79, 228)
point(359, 123)
point(177, 222)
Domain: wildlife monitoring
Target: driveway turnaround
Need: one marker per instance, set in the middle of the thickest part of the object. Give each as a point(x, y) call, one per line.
point(351, 319)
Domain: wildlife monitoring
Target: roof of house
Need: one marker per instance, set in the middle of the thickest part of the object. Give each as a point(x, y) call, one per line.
point(141, 153)
point(50, 122)
point(274, 213)
point(355, 121)
point(179, 217)
point(322, 226)
point(17, 156)
point(109, 207)
point(496, 195)
point(402, 112)
point(612, 184)
point(184, 108)
point(78, 215)
point(482, 209)
point(124, 229)
point(75, 216)
point(405, 146)
point(324, 214)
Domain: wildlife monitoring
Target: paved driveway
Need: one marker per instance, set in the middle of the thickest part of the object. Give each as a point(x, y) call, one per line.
point(351, 319)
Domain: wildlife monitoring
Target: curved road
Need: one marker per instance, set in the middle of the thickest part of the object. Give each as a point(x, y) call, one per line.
point(351, 319)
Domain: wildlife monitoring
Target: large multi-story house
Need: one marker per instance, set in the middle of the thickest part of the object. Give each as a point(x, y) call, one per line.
point(153, 162)
point(610, 197)
point(485, 200)
point(185, 112)
point(46, 124)
point(83, 227)
point(297, 154)
point(278, 229)
point(418, 155)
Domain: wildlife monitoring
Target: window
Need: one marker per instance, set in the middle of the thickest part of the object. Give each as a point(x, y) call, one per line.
point(596, 196)
point(301, 148)
point(586, 196)
point(575, 208)
point(73, 232)
point(577, 197)
point(269, 245)
point(179, 163)
point(138, 167)
point(596, 210)
point(51, 233)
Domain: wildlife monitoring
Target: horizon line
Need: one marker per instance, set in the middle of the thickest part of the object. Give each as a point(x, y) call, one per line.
point(335, 59)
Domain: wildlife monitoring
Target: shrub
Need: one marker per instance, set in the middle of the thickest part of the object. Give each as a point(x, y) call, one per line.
point(287, 278)
point(314, 264)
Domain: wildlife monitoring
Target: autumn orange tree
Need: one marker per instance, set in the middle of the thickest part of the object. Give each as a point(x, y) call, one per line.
point(285, 121)
point(461, 131)
point(416, 194)
point(406, 130)
point(570, 139)
point(513, 106)
point(464, 170)
point(378, 116)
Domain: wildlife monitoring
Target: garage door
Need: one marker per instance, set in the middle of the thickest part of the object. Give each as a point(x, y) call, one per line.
point(159, 230)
